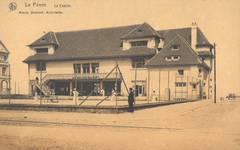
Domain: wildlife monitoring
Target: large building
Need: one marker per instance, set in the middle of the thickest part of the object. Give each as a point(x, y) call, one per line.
point(169, 64)
point(4, 70)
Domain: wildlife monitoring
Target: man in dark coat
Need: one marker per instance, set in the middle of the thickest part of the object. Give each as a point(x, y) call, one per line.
point(130, 100)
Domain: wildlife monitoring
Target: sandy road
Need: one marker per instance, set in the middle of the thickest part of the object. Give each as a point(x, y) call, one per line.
point(198, 125)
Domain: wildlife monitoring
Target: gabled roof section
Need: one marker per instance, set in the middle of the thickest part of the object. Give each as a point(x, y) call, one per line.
point(187, 55)
point(169, 34)
point(47, 39)
point(92, 44)
point(3, 48)
point(141, 31)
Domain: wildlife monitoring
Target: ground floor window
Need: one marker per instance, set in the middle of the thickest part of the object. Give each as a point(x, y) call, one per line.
point(181, 84)
point(62, 87)
point(140, 90)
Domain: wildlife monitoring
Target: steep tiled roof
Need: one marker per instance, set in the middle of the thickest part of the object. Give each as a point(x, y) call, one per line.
point(169, 34)
point(143, 30)
point(3, 48)
point(47, 39)
point(187, 55)
point(85, 44)
point(104, 43)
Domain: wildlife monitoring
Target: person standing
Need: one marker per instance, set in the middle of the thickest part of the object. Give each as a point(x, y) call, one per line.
point(75, 96)
point(113, 98)
point(130, 100)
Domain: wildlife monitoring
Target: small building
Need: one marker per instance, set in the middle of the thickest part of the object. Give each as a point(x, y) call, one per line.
point(4, 70)
point(170, 64)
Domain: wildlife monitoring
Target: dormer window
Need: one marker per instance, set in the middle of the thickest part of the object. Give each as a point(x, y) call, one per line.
point(175, 47)
point(139, 43)
point(42, 50)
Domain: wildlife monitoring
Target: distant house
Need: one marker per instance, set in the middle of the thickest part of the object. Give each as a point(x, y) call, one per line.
point(4, 70)
point(171, 64)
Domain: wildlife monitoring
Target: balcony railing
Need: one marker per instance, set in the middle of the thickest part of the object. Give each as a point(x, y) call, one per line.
point(88, 76)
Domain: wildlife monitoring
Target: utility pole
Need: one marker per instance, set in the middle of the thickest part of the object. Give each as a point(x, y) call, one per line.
point(215, 77)
point(41, 69)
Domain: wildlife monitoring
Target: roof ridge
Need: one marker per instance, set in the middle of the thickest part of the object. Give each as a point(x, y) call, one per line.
point(152, 29)
point(56, 38)
point(134, 29)
point(174, 29)
point(104, 28)
point(5, 48)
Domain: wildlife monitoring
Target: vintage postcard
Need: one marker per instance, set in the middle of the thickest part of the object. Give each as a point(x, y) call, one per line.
point(119, 75)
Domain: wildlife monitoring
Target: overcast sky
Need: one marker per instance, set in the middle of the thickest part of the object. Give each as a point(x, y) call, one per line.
point(218, 19)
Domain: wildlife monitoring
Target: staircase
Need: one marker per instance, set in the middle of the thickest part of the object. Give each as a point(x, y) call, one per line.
point(43, 88)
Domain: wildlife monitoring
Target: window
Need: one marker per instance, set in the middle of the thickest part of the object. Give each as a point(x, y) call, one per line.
point(86, 68)
point(172, 58)
point(95, 67)
point(181, 72)
point(138, 63)
point(175, 58)
point(4, 71)
point(77, 68)
point(194, 86)
point(168, 58)
point(42, 50)
point(4, 58)
point(175, 47)
point(181, 84)
point(138, 43)
point(41, 66)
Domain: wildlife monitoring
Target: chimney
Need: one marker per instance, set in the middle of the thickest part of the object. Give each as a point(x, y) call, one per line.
point(194, 35)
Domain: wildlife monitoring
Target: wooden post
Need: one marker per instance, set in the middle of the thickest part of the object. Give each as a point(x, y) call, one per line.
point(135, 82)
point(159, 83)
point(9, 86)
point(41, 82)
point(148, 97)
point(187, 87)
point(116, 90)
point(169, 92)
point(215, 77)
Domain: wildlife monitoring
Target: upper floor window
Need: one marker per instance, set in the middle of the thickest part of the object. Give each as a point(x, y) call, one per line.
point(42, 50)
point(95, 67)
point(175, 47)
point(41, 66)
point(138, 63)
point(77, 68)
point(4, 71)
point(181, 72)
point(86, 68)
point(139, 43)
